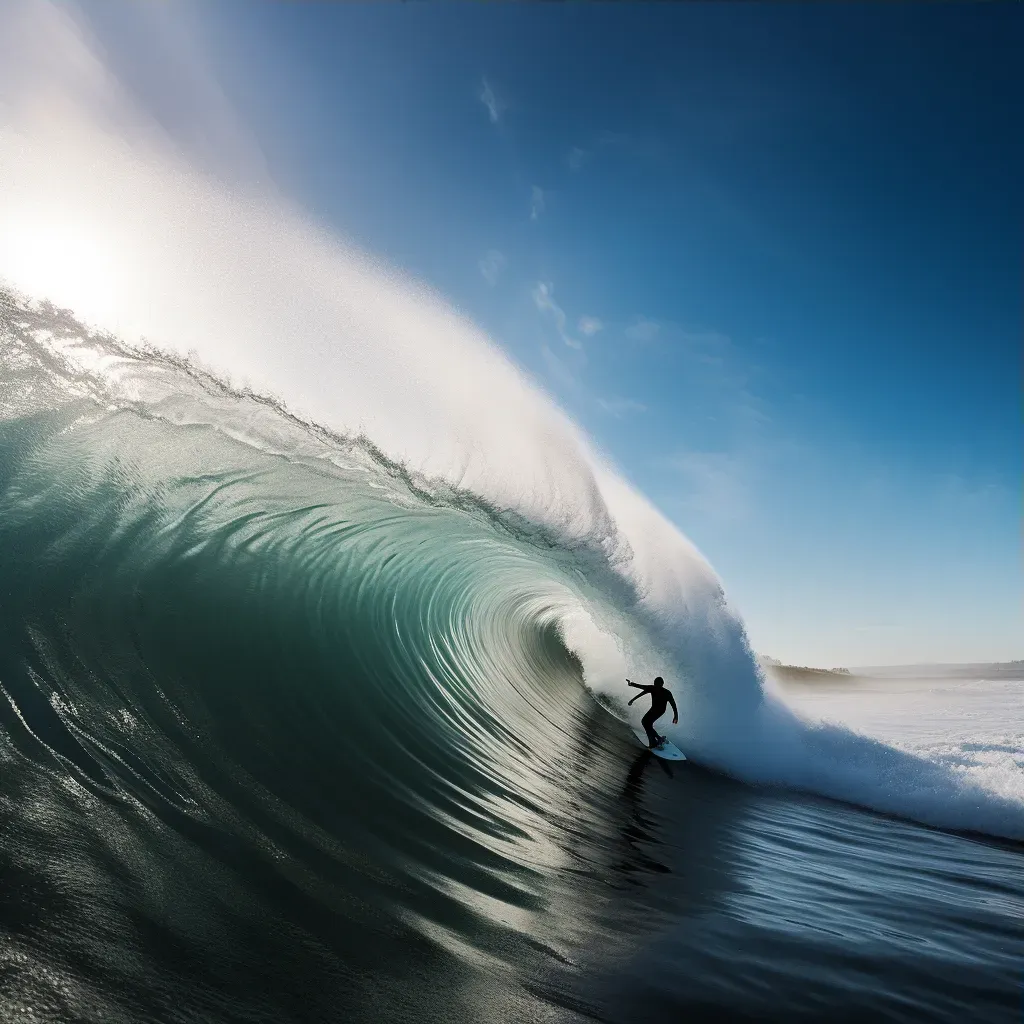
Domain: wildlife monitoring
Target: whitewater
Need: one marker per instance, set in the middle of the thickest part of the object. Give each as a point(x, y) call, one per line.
point(315, 618)
point(222, 308)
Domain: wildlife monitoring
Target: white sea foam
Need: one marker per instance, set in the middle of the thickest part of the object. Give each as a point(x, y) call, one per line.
point(101, 213)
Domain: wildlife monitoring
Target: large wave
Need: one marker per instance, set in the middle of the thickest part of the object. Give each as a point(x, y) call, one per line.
point(178, 519)
point(315, 464)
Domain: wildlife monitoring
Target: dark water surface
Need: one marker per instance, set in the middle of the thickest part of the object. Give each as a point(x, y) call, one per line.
point(653, 892)
point(287, 739)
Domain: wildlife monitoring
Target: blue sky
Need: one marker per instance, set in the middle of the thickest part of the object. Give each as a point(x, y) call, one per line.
point(769, 256)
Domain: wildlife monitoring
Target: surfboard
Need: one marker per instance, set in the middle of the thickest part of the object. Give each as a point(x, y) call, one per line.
point(668, 751)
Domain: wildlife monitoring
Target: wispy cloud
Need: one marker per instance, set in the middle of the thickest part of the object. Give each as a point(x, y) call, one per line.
point(492, 265)
point(610, 140)
point(620, 407)
point(577, 158)
point(589, 325)
point(642, 329)
point(967, 493)
point(543, 298)
point(714, 483)
point(536, 202)
point(561, 372)
point(489, 99)
point(724, 375)
point(717, 479)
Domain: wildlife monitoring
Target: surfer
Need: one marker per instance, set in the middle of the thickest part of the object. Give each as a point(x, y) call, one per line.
point(660, 699)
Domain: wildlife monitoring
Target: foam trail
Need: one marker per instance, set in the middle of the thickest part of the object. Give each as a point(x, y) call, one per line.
point(101, 213)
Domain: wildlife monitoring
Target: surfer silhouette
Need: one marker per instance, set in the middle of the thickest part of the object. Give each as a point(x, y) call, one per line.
point(660, 699)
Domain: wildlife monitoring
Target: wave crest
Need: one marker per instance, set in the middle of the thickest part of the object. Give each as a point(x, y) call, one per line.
point(469, 625)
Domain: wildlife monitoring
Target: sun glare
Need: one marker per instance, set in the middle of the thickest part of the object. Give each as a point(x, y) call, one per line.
point(68, 259)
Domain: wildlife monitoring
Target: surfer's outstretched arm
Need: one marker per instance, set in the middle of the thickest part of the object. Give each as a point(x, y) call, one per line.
point(636, 686)
point(642, 689)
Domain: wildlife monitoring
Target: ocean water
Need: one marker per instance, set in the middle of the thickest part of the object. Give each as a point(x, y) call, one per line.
point(289, 732)
point(315, 614)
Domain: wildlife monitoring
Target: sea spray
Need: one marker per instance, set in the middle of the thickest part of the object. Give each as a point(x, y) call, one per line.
point(288, 332)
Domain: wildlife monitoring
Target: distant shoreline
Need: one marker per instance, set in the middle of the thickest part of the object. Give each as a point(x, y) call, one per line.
point(967, 670)
point(802, 673)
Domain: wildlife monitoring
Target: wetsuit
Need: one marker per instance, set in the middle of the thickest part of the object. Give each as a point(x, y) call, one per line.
point(660, 700)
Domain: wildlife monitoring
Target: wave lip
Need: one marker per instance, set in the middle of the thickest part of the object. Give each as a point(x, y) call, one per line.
point(449, 588)
point(265, 328)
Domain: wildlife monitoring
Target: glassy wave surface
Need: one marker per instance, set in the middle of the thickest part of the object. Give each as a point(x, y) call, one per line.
point(311, 706)
point(289, 731)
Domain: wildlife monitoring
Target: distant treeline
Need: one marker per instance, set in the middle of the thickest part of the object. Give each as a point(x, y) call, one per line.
point(982, 670)
point(778, 668)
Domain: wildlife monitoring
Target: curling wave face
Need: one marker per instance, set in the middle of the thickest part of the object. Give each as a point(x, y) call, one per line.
point(437, 621)
point(100, 215)
point(311, 705)
point(172, 592)
point(287, 729)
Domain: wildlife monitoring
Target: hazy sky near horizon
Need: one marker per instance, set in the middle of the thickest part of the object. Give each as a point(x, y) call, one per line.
point(769, 256)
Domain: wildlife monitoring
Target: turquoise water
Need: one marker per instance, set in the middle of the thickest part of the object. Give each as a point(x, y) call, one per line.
point(288, 732)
